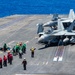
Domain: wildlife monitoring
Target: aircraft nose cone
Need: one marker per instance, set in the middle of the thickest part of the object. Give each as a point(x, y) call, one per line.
point(41, 39)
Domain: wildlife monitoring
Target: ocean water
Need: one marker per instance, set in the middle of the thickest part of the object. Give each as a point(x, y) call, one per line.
point(11, 7)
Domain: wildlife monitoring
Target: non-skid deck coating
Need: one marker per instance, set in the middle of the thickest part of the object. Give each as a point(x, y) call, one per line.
point(22, 28)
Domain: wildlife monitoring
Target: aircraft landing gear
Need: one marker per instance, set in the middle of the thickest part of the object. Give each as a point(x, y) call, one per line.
point(48, 44)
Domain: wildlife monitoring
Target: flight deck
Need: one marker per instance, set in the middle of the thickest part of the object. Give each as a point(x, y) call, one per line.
point(54, 60)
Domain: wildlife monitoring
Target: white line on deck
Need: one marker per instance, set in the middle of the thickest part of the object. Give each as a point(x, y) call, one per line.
point(60, 58)
point(27, 41)
point(36, 37)
point(55, 59)
point(43, 63)
point(20, 74)
point(10, 42)
point(46, 62)
point(37, 63)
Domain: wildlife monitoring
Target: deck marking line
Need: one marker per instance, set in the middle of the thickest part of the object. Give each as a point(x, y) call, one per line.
point(43, 63)
point(27, 41)
point(46, 63)
point(55, 59)
point(60, 58)
point(20, 74)
point(10, 42)
point(37, 63)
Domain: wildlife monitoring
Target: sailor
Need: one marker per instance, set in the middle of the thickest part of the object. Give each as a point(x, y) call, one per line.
point(10, 58)
point(24, 48)
point(5, 47)
point(20, 53)
point(32, 51)
point(20, 47)
point(0, 62)
point(17, 47)
point(24, 62)
point(14, 51)
point(5, 60)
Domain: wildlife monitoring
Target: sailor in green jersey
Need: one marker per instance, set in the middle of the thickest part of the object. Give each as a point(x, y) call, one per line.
point(20, 53)
point(14, 50)
point(5, 47)
point(17, 47)
point(20, 47)
point(24, 48)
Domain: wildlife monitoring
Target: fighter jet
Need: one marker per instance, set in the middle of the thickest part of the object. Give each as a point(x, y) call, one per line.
point(58, 34)
point(66, 21)
point(53, 24)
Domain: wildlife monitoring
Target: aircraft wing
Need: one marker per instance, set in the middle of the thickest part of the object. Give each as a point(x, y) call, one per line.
point(49, 24)
point(67, 20)
point(63, 33)
point(69, 34)
point(58, 34)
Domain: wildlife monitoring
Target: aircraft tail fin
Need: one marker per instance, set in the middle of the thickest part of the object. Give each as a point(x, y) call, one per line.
point(71, 14)
point(60, 25)
point(40, 28)
point(55, 17)
point(70, 28)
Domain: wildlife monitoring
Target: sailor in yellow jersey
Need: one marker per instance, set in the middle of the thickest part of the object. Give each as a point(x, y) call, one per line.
point(32, 51)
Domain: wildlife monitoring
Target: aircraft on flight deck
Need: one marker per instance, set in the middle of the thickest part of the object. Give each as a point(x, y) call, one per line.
point(70, 19)
point(56, 35)
point(66, 21)
point(53, 25)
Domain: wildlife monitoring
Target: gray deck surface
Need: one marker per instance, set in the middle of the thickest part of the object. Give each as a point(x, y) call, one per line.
point(22, 28)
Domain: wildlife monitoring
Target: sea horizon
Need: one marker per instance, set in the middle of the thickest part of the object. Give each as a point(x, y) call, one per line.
point(32, 7)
